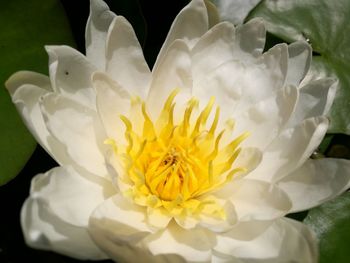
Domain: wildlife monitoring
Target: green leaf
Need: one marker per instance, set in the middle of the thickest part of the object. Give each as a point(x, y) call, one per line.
point(331, 223)
point(26, 26)
point(325, 25)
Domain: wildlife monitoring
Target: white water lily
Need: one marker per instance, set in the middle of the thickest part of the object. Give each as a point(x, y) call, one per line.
point(196, 161)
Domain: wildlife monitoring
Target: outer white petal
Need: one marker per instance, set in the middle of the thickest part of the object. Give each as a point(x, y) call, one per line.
point(291, 149)
point(265, 119)
point(250, 39)
point(316, 99)
point(284, 241)
point(189, 25)
point(79, 129)
point(300, 54)
point(99, 20)
point(112, 100)
point(118, 226)
point(70, 74)
point(27, 89)
point(236, 11)
point(51, 222)
point(316, 182)
point(125, 61)
point(256, 200)
point(176, 244)
point(71, 195)
point(174, 71)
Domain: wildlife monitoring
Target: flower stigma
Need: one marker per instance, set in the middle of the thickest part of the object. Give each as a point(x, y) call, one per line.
point(176, 165)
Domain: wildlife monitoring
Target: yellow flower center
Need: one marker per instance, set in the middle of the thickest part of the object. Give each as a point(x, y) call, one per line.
point(173, 165)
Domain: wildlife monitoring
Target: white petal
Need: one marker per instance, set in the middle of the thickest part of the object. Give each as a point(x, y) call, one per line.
point(300, 54)
point(97, 26)
point(79, 129)
point(189, 25)
point(236, 11)
point(256, 200)
point(112, 100)
point(284, 241)
point(71, 195)
point(213, 48)
point(291, 149)
point(265, 119)
point(117, 226)
point(316, 99)
point(26, 89)
point(125, 61)
point(250, 39)
point(42, 229)
point(20, 78)
point(316, 182)
point(223, 43)
point(191, 245)
point(70, 74)
point(174, 71)
point(234, 87)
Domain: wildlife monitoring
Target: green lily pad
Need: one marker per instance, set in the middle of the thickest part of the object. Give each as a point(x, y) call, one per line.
point(331, 223)
point(325, 25)
point(26, 26)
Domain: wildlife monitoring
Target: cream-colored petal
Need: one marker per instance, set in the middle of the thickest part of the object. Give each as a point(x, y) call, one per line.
point(98, 23)
point(112, 100)
point(70, 194)
point(42, 229)
point(316, 99)
point(256, 200)
point(284, 241)
point(300, 54)
point(125, 61)
point(70, 74)
point(174, 71)
point(79, 129)
point(189, 25)
point(291, 149)
point(265, 119)
point(315, 182)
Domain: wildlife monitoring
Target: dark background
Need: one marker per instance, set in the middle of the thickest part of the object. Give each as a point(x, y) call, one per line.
point(151, 20)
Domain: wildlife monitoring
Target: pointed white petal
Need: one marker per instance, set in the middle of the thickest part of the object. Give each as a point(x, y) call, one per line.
point(99, 20)
point(71, 195)
point(291, 149)
point(125, 61)
point(189, 25)
point(174, 71)
point(300, 54)
point(79, 129)
point(70, 74)
point(112, 100)
point(315, 182)
point(284, 241)
point(316, 99)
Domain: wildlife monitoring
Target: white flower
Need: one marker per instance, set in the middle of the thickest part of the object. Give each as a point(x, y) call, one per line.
point(198, 160)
